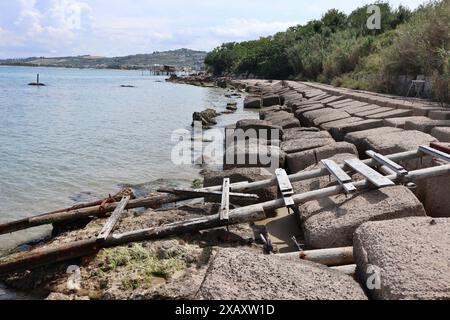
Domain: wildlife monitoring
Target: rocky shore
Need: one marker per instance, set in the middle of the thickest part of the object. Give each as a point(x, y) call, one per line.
point(400, 235)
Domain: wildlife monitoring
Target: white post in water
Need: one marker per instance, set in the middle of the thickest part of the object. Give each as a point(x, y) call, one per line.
point(37, 78)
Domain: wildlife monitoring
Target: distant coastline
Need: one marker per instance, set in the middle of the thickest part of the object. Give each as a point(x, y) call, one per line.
point(182, 59)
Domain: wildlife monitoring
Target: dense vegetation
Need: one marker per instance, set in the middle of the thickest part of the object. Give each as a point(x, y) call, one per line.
point(340, 49)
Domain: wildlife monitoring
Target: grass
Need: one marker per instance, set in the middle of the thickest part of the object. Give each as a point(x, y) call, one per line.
point(142, 265)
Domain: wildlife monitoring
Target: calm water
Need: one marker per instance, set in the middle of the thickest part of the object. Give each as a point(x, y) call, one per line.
point(83, 136)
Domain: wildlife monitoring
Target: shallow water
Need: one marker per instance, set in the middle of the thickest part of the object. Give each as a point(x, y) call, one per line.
point(83, 136)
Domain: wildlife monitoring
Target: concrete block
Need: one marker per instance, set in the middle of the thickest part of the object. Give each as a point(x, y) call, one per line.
point(441, 134)
point(411, 257)
point(426, 125)
point(365, 114)
point(339, 132)
point(338, 123)
point(284, 119)
point(307, 118)
point(253, 155)
point(261, 128)
point(272, 110)
point(391, 114)
point(238, 274)
point(332, 116)
point(439, 115)
point(400, 122)
point(301, 160)
point(437, 200)
point(339, 102)
point(331, 222)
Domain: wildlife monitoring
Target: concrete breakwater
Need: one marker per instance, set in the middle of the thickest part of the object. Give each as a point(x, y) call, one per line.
point(399, 237)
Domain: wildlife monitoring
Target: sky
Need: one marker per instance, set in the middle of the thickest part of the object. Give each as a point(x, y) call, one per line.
point(122, 27)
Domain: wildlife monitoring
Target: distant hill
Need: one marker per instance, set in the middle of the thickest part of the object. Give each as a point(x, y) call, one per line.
point(180, 58)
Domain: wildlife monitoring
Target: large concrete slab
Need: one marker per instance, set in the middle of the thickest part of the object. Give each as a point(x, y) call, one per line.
point(297, 133)
point(332, 116)
point(253, 102)
point(437, 200)
point(301, 160)
point(400, 122)
point(303, 144)
point(254, 154)
point(236, 274)
point(301, 110)
point(353, 110)
point(269, 111)
point(411, 257)
point(391, 114)
point(339, 102)
point(365, 114)
point(331, 222)
point(333, 124)
point(283, 119)
point(426, 125)
point(442, 134)
point(350, 104)
point(439, 115)
point(307, 118)
point(340, 131)
point(325, 181)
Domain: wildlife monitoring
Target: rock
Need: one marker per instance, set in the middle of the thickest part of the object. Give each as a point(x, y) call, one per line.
point(366, 114)
point(359, 138)
point(307, 118)
point(330, 222)
point(62, 297)
point(339, 123)
point(215, 178)
point(311, 132)
point(254, 154)
point(439, 115)
point(299, 161)
point(253, 102)
point(243, 275)
point(207, 117)
point(442, 134)
point(411, 257)
point(352, 103)
point(352, 110)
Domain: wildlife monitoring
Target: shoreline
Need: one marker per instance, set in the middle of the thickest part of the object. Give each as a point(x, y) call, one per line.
point(311, 120)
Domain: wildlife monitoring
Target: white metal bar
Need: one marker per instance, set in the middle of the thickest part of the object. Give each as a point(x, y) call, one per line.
point(398, 169)
point(285, 187)
point(374, 177)
point(341, 176)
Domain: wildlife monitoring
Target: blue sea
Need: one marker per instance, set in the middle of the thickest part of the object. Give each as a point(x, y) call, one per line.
point(83, 136)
